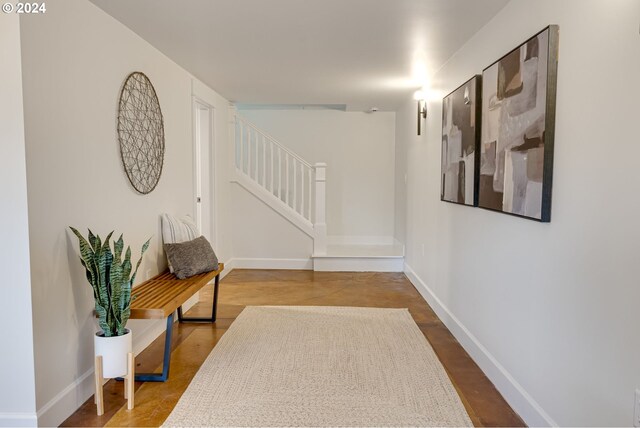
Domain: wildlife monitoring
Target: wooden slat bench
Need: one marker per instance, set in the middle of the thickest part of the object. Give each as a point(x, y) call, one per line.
point(160, 296)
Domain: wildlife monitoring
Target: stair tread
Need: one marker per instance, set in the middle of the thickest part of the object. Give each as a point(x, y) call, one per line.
point(363, 251)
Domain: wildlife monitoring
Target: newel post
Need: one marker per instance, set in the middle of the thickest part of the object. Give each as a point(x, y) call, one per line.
point(320, 225)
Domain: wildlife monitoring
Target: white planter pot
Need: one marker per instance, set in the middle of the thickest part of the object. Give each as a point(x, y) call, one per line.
point(114, 352)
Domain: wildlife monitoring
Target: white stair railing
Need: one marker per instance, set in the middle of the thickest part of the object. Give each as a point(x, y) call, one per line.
point(283, 176)
point(274, 167)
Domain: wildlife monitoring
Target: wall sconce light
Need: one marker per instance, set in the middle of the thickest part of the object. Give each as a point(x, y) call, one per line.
point(422, 108)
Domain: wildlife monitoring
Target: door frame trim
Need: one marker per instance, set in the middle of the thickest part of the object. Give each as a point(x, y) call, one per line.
point(198, 103)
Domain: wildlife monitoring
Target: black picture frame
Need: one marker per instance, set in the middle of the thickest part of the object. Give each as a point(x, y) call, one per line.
point(461, 125)
point(518, 129)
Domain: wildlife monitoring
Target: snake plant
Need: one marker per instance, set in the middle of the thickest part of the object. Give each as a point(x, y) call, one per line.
point(111, 279)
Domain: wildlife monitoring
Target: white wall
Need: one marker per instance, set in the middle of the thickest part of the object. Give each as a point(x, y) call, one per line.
point(262, 238)
point(75, 59)
point(403, 134)
point(359, 151)
point(17, 395)
point(549, 311)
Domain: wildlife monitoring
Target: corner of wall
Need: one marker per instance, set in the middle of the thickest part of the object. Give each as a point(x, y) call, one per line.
point(18, 395)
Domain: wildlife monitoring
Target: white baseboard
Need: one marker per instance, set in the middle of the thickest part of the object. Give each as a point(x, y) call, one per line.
point(360, 240)
point(67, 401)
point(326, 264)
point(517, 397)
point(229, 265)
point(358, 264)
point(257, 263)
point(11, 419)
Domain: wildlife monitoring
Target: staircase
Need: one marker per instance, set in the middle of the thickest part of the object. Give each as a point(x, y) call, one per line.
point(296, 190)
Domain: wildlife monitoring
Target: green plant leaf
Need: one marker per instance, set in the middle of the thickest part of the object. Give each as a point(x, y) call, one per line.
point(92, 241)
point(117, 248)
point(110, 278)
point(102, 320)
point(88, 260)
point(145, 246)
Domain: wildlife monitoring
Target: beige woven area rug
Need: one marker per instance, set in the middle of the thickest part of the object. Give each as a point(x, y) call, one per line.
point(312, 366)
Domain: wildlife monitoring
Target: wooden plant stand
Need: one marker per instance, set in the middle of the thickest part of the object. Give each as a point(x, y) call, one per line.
point(128, 383)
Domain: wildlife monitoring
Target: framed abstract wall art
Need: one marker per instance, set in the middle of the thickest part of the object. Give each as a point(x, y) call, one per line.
point(460, 143)
point(518, 121)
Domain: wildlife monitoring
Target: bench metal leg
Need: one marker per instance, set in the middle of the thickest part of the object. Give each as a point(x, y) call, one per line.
point(214, 309)
point(161, 377)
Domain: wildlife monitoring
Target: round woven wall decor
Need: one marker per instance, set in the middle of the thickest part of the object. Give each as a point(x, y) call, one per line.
point(141, 132)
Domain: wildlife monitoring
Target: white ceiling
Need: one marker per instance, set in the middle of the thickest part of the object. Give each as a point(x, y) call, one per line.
point(362, 53)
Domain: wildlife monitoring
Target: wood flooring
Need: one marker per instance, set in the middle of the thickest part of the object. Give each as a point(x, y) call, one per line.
point(192, 343)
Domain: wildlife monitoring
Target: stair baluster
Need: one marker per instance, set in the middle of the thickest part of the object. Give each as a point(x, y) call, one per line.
point(280, 177)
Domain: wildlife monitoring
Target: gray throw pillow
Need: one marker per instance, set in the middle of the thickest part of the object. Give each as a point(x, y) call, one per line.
point(191, 257)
